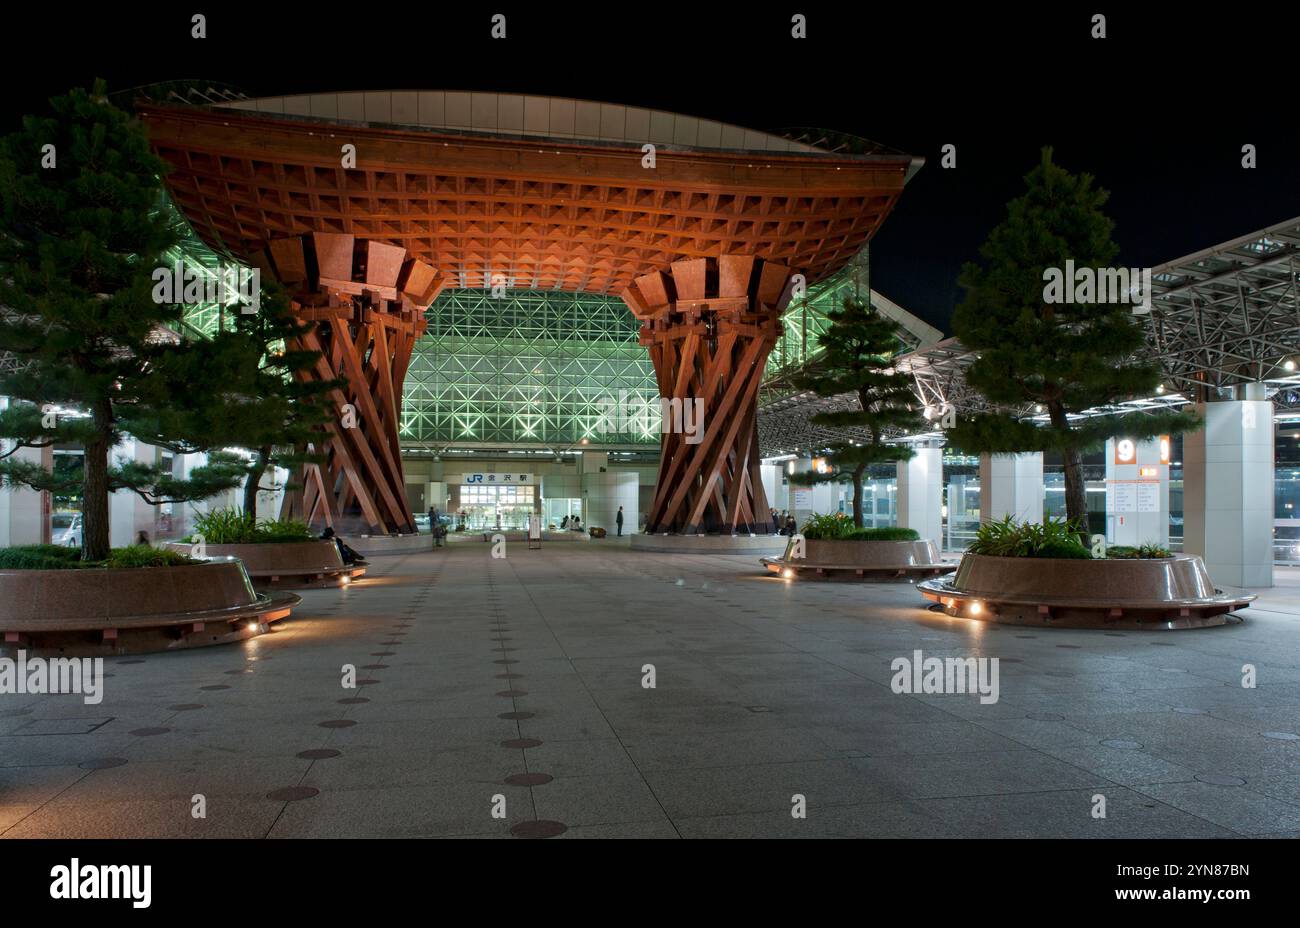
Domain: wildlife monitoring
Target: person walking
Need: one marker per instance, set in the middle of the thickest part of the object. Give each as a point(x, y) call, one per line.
point(619, 521)
point(776, 520)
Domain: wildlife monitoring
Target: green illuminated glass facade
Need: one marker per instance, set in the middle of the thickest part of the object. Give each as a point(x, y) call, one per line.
point(532, 367)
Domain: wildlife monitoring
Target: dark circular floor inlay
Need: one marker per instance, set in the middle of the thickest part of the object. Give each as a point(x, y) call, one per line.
point(215, 686)
point(337, 723)
point(146, 732)
point(368, 681)
point(1123, 744)
point(1072, 646)
point(1026, 636)
point(382, 653)
point(374, 666)
point(512, 693)
point(506, 660)
point(318, 753)
point(1220, 779)
point(239, 671)
point(293, 793)
point(529, 779)
point(538, 829)
point(521, 743)
point(185, 706)
point(102, 763)
point(1116, 635)
point(515, 716)
point(352, 700)
point(138, 660)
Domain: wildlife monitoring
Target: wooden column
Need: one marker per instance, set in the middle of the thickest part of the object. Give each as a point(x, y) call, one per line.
point(709, 325)
point(367, 301)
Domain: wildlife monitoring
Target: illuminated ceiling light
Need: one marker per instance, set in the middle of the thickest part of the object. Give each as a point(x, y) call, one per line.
point(1160, 388)
point(1289, 364)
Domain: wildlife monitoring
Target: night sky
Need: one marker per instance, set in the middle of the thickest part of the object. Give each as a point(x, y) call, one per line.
point(1158, 111)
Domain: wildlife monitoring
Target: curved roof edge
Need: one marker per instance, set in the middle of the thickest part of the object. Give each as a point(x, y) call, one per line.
point(533, 116)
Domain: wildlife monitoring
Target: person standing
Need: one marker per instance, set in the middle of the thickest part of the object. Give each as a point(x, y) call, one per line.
point(619, 521)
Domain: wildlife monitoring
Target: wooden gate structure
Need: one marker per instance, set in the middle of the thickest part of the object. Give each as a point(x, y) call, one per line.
point(701, 241)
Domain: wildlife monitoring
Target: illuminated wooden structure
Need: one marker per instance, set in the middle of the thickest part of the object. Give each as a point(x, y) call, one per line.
point(368, 300)
point(709, 326)
point(701, 245)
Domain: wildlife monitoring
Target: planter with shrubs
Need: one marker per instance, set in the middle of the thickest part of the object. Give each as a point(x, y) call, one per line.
point(1043, 574)
point(834, 549)
point(276, 554)
point(138, 599)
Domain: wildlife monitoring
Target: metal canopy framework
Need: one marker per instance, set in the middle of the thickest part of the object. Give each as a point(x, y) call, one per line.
point(536, 368)
point(1224, 316)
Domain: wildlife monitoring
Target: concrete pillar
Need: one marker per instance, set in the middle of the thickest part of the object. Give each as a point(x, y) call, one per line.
point(1228, 490)
point(128, 514)
point(1011, 484)
point(24, 512)
point(602, 494)
point(919, 497)
point(1137, 491)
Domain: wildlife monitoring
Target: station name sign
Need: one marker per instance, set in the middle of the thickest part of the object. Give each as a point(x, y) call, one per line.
point(497, 479)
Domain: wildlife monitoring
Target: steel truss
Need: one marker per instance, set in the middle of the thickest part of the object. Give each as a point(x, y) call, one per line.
point(1224, 316)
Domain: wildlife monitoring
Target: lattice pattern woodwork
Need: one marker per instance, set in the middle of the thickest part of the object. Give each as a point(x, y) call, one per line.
point(535, 215)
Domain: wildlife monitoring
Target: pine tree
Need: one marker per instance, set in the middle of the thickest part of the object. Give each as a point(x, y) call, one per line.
point(858, 351)
point(1065, 357)
point(98, 358)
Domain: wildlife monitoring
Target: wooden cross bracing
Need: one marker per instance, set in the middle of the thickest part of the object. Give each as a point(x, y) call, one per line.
point(366, 301)
point(709, 324)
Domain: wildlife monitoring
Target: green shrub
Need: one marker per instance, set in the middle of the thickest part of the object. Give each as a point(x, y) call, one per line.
point(889, 533)
point(830, 526)
point(232, 526)
point(1145, 551)
point(287, 530)
point(55, 557)
point(1009, 538)
point(145, 556)
point(39, 557)
point(228, 526)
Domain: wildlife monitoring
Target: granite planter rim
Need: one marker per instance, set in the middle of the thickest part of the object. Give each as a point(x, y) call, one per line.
point(95, 599)
point(308, 562)
point(860, 559)
point(1172, 592)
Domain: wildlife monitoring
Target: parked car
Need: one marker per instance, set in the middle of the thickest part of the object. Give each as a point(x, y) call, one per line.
point(66, 529)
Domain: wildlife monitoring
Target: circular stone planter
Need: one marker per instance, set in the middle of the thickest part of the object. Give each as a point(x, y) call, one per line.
point(128, 610)
point(286, 564)
point(841, 559)
point(1146, 593)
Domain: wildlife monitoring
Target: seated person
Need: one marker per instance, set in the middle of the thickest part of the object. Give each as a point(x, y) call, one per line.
point(350, 556)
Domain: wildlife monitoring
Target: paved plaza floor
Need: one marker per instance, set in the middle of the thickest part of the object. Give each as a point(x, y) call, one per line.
point(494, 694)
